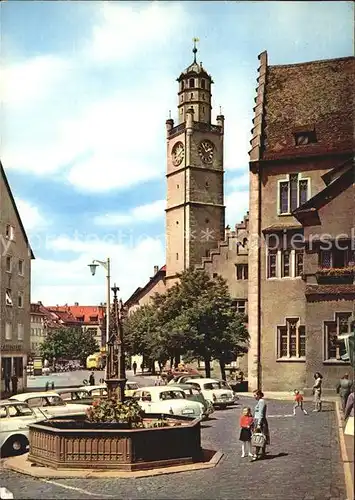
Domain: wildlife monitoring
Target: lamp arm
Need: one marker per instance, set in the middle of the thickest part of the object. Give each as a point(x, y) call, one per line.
point(102, 263)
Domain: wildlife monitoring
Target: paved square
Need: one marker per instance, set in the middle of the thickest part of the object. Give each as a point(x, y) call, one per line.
point(303, 463)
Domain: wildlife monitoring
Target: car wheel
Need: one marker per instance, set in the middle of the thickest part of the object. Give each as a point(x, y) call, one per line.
point(16, 445)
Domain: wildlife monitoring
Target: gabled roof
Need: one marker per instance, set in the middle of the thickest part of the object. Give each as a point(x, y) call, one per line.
point(309, 210)
point(141, 291)
point(8, 188)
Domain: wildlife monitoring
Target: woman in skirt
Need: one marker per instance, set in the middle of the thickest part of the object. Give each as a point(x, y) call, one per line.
point(246, 424)
point(260, 421)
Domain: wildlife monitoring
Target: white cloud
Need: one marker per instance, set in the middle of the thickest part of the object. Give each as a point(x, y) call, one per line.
point(24, 83)
point(30, 215)
point(143, 213)
point(131, 265)
point(122, 31)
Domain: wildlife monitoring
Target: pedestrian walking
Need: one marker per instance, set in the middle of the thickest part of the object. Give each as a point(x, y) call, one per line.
point(14, 381)
point(159, 381)
point(92, 379)
point(134, 366)
point(298, 402)
point(7, 383)
point(261, 424)
point(317, 391)
point(246, 425)
point(344, 389)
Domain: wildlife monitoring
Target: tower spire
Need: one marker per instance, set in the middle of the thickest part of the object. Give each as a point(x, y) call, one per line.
point(194, 50)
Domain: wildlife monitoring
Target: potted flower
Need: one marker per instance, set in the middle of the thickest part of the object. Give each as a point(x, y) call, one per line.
point(340, 275)
point(113, 413)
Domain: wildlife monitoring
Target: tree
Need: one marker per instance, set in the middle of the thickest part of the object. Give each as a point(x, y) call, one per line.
point(197, 316)
point(69, 343)
point(142, 336)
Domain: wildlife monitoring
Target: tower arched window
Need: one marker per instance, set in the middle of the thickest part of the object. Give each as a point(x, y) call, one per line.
point(203, 83)
point(191, 96)
point(182, 85)
point(192, 83)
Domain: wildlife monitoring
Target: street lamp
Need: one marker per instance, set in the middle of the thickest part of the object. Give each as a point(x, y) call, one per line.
point(106, 265)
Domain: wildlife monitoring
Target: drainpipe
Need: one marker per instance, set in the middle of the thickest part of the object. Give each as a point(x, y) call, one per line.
point(259, 382)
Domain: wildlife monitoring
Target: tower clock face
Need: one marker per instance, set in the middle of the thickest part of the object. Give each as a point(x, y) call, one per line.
point(206, 151)
point(178, 153)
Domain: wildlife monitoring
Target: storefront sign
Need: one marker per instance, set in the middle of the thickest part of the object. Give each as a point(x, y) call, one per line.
point(11, 347)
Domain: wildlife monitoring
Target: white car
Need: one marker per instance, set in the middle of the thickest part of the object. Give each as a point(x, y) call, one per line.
point(14, 420)
point(181, 379)
point(50, 403)
point(168, 400)
point(218, 392)
point(95, 391)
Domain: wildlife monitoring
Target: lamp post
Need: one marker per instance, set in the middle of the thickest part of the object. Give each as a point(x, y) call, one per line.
point(106, 265)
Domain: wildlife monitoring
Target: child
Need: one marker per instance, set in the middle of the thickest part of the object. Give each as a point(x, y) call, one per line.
point(246, 424)
point(298, 402)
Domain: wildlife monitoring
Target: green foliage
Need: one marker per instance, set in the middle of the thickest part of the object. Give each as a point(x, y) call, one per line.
point(194, 318)
point(69, 343)
point(111, 410)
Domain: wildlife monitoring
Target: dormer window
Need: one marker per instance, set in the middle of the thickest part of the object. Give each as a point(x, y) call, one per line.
point(302, 138)
point(192, 83)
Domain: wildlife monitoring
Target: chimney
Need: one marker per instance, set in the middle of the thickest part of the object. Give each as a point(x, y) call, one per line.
point(156, 269)
point(76, 304)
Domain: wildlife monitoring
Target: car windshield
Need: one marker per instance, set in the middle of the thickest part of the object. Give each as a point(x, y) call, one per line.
point(19, 411)
point(212, 386)
point(171, 395)
point(54, 401)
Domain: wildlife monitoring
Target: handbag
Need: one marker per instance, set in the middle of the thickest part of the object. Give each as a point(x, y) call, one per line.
point(258, 439)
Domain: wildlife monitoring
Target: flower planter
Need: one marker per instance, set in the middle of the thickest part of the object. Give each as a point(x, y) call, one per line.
point(78, 444)
point(330, 279)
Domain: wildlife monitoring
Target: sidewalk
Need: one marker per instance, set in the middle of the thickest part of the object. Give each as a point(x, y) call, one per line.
point(287, 396)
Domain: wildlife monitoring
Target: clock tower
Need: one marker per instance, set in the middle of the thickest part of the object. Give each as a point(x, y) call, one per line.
point(195, 202)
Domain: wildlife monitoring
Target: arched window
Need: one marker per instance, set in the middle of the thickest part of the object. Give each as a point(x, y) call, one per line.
point(191, 96)
point(203, 84)
point(182, 85)
point(192, 83)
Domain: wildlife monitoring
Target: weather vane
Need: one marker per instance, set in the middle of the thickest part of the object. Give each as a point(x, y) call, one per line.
point(194, 50)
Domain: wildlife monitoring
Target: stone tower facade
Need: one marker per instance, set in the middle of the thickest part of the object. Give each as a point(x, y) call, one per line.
point(195, 213)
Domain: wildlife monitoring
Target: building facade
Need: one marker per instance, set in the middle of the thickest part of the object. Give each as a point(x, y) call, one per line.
point(15, 284)
point(302, 138)
point(38, 329)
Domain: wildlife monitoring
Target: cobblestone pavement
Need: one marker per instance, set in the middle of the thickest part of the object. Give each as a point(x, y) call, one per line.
point(303, 463)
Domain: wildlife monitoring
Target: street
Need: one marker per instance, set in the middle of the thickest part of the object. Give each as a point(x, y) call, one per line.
point(303, 463)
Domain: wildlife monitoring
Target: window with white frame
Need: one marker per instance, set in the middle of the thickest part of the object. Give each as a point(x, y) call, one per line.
point(8, 331)
point(298, 270)
point(291, 339)
point(335, 347)
point(8, 296)
point(8, 263)
point(10, 232)
point(242, 271)
point(285, 263)
point(272, 264)
point(21, 267)
point(293, 192)
point(20, 331)
point(20, 299)
point(240, 306)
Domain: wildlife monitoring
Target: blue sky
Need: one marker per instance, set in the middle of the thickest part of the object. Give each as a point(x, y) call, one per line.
point(86, 89)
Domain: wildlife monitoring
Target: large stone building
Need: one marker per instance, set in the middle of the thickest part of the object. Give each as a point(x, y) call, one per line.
point(15, 277)
point(301, 180)
point(301, 196)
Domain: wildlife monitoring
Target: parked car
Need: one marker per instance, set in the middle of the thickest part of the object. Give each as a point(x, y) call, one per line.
point(95, 391)
point(75, 395)
point(130, 388)
point(181, 378)
point(194, 394)
point(15, 417)
point(168, 400)
point(218, 392)
point(50, 403)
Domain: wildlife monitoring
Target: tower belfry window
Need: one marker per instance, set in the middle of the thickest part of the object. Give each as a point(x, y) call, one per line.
point(192, 83)
point(182, 85)
point(203, 84)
